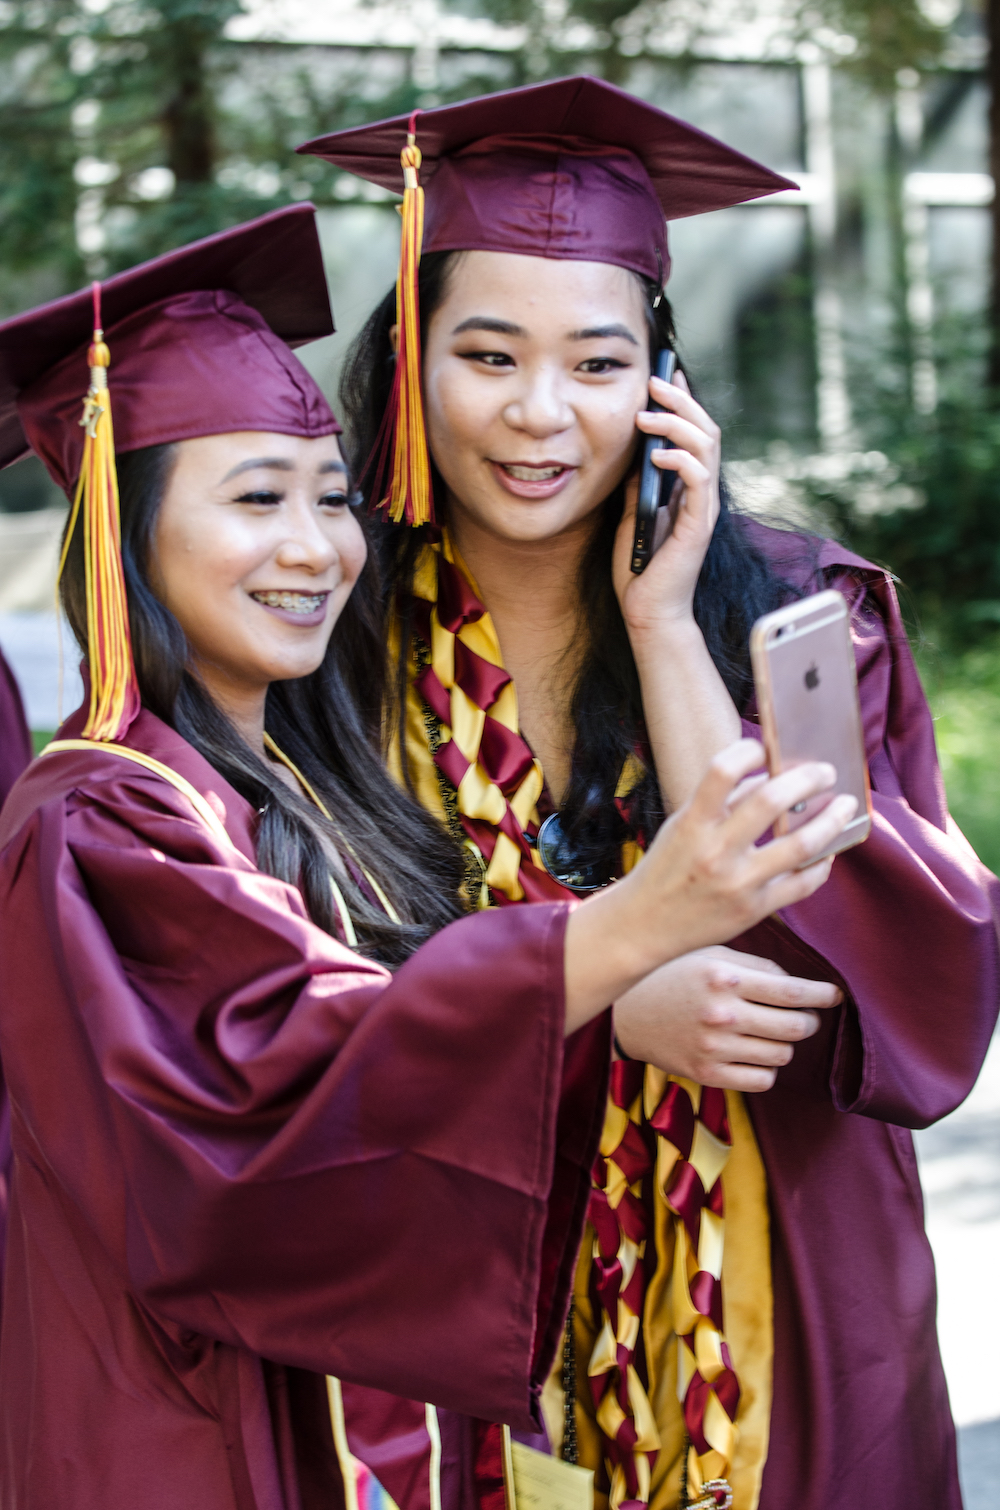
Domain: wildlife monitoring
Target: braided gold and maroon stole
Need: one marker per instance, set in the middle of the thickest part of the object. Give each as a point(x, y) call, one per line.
point(657, 1127)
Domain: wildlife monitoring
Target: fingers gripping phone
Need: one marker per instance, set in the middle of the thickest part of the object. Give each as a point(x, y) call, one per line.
point(654, 518)
point(807, 698)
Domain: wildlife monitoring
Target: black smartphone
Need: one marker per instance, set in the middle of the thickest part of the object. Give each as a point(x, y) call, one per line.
point(653, 517)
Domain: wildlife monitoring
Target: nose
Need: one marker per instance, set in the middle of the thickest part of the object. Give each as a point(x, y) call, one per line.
point(540, 407)
point(305, 544)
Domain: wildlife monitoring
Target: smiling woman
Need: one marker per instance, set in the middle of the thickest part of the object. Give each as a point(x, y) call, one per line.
point(246, 1083)
point(737, 1335)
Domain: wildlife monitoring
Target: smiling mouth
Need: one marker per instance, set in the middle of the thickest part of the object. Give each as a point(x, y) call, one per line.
point(522, 473)
point(292, 602)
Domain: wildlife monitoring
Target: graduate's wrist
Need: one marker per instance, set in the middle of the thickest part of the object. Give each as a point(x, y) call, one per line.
point(608, 950)
point(674, 629)
point(628, 931)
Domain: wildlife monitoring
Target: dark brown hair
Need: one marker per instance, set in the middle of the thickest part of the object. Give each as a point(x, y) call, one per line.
point(327, 723)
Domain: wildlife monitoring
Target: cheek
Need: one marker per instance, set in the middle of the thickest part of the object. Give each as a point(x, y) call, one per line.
point(352, 549)
point(610, 425)
point(178, 565)
point(199, 559)
point(457, 407)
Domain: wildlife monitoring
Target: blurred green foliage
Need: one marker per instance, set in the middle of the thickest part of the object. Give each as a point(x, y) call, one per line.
point(964, 692)
point(944, 469)
point(874, 40)
point(129, 128)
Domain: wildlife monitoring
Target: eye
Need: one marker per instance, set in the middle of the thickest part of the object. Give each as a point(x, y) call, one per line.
point(598, 366)
point(488, 358)
point(265, 496)
point(334, 500)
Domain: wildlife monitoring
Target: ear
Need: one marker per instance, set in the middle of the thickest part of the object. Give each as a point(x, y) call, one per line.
point(394, 338)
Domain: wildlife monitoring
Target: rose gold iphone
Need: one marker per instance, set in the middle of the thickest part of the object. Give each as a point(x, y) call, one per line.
point(807, 697)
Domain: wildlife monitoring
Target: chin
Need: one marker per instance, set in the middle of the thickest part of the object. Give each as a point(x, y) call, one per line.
point(305, 667)
point(530, 522)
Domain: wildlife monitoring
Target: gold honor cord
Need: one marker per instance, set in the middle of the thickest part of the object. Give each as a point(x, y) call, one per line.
point(211, 819)
point(338, 1424)
point(351, 1467)
point(350, 936)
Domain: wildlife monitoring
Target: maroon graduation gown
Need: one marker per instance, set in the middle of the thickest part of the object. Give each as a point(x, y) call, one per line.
point(245, 1157)
point(15, 752)
point(906, 927)
point(15, 741)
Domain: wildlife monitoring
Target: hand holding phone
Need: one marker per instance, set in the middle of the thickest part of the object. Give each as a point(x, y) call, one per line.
point(807, 698)
point(653, 514)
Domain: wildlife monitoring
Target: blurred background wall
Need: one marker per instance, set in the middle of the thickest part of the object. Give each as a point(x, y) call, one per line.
point(846, 334)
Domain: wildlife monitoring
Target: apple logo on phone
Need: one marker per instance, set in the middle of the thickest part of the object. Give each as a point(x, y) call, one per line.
point(812, 677)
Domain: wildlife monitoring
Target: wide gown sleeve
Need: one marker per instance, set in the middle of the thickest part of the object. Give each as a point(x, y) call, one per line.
point(906, 923)
point(279, 1145)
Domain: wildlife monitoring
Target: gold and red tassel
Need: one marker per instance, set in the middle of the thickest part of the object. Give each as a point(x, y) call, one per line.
point(114, 691)
point(409, 495)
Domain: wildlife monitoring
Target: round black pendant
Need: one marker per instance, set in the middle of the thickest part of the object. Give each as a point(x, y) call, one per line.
point(562, 865)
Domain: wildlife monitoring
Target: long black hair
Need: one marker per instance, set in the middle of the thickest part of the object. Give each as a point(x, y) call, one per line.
point(737, 584)
point(327, 723)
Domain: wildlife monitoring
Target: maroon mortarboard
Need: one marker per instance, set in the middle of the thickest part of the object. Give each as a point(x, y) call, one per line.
point(196, 342)
point(575, 169)
point(199, 341)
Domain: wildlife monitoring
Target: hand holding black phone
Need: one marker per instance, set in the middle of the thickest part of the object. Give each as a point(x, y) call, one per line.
point(653, 515)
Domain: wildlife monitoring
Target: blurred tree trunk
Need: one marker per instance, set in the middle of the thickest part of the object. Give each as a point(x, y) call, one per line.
point(188, 119)
point(993, 79)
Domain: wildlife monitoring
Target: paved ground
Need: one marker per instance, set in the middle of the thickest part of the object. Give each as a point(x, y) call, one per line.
point(960, 1169)
point(959, 1158)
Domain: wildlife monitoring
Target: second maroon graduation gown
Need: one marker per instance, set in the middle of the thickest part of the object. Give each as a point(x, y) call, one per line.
point(244, 1157)
point(907, 927)
point(15, 752)
point(15, 741)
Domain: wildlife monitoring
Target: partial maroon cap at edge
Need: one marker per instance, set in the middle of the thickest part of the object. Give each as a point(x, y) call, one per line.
point(200, 344)
point(573, 169)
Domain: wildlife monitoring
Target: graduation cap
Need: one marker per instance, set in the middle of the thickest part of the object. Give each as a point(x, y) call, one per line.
point(574, 169)
point(198, 343)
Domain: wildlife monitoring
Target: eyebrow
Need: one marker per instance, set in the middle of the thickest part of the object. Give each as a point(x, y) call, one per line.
point(507, 328)
point(279, 464)
point(603, 333)
point(485, 322)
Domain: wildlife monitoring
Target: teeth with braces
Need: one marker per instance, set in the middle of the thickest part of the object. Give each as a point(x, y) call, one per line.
point(293, 602)
point(533, 474)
